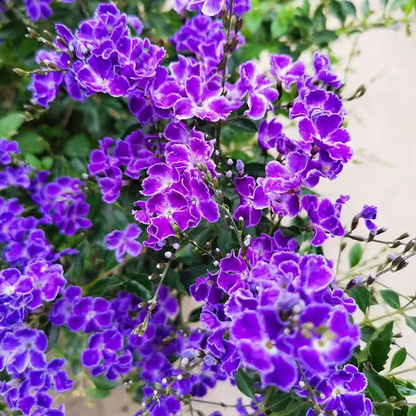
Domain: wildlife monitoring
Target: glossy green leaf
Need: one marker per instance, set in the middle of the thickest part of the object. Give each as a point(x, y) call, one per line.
point(244, 383)
point(356, 252)
point(365, 8)
point(244, 124)
point(411, 411)
point(411, 322)
point(362, 297)
point(101, 383)
point(398, 358)
point(78, 146)
point(391, 298)
point(101, 287)
point(31, 142)
point(195, 314)
point(323, 37)
point(10, 123)
point(98, 394)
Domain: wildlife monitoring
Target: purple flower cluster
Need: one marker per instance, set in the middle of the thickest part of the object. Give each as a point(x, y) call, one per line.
point(61, 202)
point(123, 241)
point(102, 56)
point(114, 158)
point(341, 393)
point(178, 195)
point(281, 311)
point(212, 7)
point(320, 152)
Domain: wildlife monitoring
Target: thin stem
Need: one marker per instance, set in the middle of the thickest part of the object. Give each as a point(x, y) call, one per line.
point(387, 315)
point(310, 389)
point(110, 272)
point(233, 224)
point(224, 405)
point(396, 373)
point(189, 240)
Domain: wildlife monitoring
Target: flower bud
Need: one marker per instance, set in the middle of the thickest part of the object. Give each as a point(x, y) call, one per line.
point(410, 244)
point(227, 221)
point(370, 279)
point(354, 222)
point(404, 263)
point(241, 223)
point(176, 246)
point(168, 254)
point(230, 162)
point(154, 276)
point(381, 230)
point(396, 244)
point(238, 24)
point(356, 281)
point(397, 260)
point(403, 236)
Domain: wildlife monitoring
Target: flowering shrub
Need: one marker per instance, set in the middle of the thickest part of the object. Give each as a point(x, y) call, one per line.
point(199, 194)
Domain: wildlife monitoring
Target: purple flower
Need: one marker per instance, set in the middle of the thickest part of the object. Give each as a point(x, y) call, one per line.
point(287, 71)
point(102, 355)
point(7, 148)
point(324, 217)
point(37, 9)
point(323, 71)
point(124, 241)
point(368, 213)
point(269, 134)
point(252, 200)
point(202, 102)
point(63, 308)
point(259, 90)
point(256, 336)
point(23, 349)
point(90, 315)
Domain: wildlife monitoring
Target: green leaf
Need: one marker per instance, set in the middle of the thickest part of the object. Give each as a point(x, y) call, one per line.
point(78, 146)
point(278, 28)
point(365, 8)
point(140, 285)
point(384, 3)
point(380, 345)
point(411, 322)
point(362, 297)
point(398, 358)
point(244, 124)
point(355, 254)
point(366, 332)
point(396, 4)
point(412, 411)
point(293, 409)
point(31, 142)
point(336, 10)
point(53, 335)
point(379, 387)
point(101, 383)
point(98, 394)
point(404, 387)
point(32, 160)
point(195, 314)
point(244, 383)
point(349, 8)
point(101, 287)
point(10, 124)
point(384, 409)
point(279, 401)
point(391, 298)
point(323, 36)
point(255, 169)
point(47, 162)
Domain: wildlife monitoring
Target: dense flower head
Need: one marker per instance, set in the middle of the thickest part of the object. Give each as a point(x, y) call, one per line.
point(62, 203)
point(280, 311)
point(101, 56)
point(212, 7)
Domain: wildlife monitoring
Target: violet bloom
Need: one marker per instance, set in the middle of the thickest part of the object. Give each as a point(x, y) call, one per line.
point(270, 132)
point(45, 88)
point(90, 315)
point(102, 355)
point(124, 241)
point(260, 92)
point(38, 9)
point(48, 280)
point(202, 102)
point(287, 71)
point(62, 308)
point(15, 177)
point(255, 333)
point(323, 71)
point(368, 213)
point(7, 149)
point(252, 200)
point(324, 217)
point(24, 348)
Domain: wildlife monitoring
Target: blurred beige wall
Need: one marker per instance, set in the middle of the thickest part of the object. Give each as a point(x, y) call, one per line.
point(382, 125)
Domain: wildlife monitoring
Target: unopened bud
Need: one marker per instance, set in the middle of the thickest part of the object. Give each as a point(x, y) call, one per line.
point(392, 399)
point(247, 241)
point(20, 72)
point(403, 236)
point(370, 279)
point(227, 221)
point(238, 24)
point(32, 34)
point(356, 281)
point(168, 254)
point(240, 223)
point(230, 162)
point(154, 276)
point(216, 157)
point(409, 246)
point(233, 44)
point(381, 230)
point(354, 222)
point(397, 260)
point(161, 266)
point(229, 174)
point(152, 306)
point(370, 237)
point(176, 246)
point(402, 265)
point(396, 244)
point(143, 304)
point(184, 362)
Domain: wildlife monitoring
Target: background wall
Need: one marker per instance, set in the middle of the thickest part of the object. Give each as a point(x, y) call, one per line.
point(382, 124)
